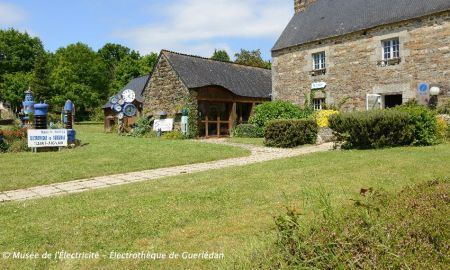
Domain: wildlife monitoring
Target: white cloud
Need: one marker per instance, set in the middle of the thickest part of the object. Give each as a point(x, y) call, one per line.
point(10, 15)
point(199, 26)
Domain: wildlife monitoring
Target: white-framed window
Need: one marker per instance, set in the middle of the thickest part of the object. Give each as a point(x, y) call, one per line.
point(391, 49)
point(318, 103)
point(319, 61)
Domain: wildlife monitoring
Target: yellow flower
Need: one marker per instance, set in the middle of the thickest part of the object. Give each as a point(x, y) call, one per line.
point(323, 116)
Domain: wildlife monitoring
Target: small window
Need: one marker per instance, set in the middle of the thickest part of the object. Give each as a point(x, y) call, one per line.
point(391, 49)
point(319, 61)
point(318, 103)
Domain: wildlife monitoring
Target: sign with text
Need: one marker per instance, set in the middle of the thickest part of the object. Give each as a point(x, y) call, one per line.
point(47, 138)
point(163, 124)
point(318, 85)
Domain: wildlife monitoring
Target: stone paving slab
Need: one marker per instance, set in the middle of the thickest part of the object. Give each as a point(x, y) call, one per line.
point(258, 154)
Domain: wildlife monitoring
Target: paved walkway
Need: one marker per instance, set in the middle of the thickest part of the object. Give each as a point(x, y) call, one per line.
point(258, 154)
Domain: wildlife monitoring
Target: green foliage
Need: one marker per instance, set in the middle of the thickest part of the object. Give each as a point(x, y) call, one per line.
point(13, 86)
point(221, 55)
point(192, 107)
point(277, 110)
point(142, 127)
point(423, 122)
point(40, 79)
point(173, 135)
point(97, 115)
point(380, 231)
point(290, 133)
point(251, 58)
point(19, 50)
point(248, 131)
point(80, 75)
point(147, 63)
point(373, 129)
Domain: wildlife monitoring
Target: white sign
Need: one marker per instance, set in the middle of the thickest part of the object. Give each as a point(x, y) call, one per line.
point(163, 124)
point(47, 138)
point(318, 85)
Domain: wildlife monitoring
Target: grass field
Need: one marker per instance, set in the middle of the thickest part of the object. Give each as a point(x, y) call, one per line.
point(104, 154)
point(228, 210)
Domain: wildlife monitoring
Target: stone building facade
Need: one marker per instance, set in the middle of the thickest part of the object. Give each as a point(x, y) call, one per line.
point(335, 53)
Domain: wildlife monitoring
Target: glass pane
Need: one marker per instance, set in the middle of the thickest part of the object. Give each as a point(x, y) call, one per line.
point(202, 110)
point(202, 129)
point(224, 131)
point(212, 129)
point(225, 111)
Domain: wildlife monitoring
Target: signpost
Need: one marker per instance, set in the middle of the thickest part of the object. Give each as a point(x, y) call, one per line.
point(38, 138)
point(163, 125)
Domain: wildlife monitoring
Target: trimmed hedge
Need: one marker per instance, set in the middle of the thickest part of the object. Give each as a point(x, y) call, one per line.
point(403, 125)
point(290, 133)
point(374, 129)
point(279, 109)
point(248, 131)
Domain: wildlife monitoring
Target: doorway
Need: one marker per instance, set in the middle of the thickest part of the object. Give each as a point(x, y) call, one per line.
point(390, 101)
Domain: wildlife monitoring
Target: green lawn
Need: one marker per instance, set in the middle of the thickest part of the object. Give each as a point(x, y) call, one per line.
point(104, 154)
point(227, 210)
point(253, 141)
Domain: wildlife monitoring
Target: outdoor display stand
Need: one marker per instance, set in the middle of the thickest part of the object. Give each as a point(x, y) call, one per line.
point(123, 106)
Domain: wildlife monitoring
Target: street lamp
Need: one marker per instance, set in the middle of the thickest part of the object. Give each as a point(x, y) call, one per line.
point(434, 93)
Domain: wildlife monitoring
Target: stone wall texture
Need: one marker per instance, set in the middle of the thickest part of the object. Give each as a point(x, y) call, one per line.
point(352, 64)
point(165, 91)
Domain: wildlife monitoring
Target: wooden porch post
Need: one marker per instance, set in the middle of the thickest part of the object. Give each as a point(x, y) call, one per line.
point(233, 117)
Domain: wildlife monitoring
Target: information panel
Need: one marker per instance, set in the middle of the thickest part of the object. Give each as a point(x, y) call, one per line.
point(163, 124)
point(47, 138)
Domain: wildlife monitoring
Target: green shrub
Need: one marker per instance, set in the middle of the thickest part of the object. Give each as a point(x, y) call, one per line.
point(373, 129)
point(268, 111)
point(142, 126)
point(408, 230)
point(290, 133)
point(248, 131)
point(18, 146)
point(97, 115)
point(173, 135)
point(424, 123)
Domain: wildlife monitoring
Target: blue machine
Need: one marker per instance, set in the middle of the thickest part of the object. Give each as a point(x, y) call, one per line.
point(69, 110)
point(40, 115)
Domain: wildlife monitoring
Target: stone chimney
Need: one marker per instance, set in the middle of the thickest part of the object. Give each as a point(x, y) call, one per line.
point(302, 5)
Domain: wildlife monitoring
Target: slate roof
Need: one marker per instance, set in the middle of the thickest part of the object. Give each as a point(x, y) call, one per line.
point(241, 80)
point(329, 18)
point(138, 85)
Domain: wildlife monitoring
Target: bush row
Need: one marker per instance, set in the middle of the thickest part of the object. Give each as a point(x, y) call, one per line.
point(290, 133)
point(403, 125)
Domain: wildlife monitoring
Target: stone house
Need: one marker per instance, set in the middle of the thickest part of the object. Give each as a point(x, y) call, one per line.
point(363, 53)
point(218, 94)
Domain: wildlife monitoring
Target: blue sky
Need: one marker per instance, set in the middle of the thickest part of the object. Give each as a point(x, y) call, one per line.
point(187, 26)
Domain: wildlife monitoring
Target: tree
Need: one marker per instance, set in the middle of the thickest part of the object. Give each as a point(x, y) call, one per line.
point(40, 79)
point(79, 74)
point(251, 58)
point(18, 51)
point(221, 55)
point(13, 88)
point(147, 63)
point(128, 69)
